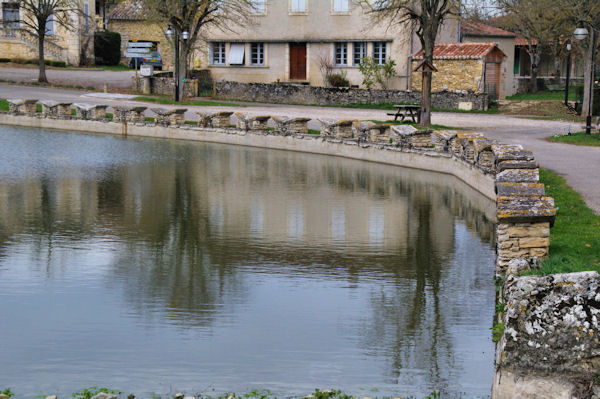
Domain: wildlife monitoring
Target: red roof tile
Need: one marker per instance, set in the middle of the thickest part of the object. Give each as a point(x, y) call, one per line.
point(472, 28)
point(458, 51)
point(128, 11)
point(521, 41)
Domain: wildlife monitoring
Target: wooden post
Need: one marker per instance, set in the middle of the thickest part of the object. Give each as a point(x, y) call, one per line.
point(428, 69)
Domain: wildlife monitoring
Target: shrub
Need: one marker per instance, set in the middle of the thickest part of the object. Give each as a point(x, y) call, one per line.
point(375, 73)
point(107, 47)
point(596, 103)
point(338, 80)
point(4, 59)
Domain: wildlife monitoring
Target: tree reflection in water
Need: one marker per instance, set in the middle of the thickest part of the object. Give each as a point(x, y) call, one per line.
point(187, 224)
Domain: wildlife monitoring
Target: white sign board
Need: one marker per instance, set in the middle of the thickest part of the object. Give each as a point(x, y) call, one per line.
point(138, 49)
point(147, 70)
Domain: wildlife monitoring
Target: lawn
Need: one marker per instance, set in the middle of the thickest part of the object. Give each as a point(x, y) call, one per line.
point(169, 101)
point(3, 105)
point(579, 138)
point(544, 95)
point(575, 237)
point(417, 126)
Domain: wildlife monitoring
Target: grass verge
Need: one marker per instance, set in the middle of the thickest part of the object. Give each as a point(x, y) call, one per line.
point(544, 95)
point(579, 138)
point(575, 237)
point(433, 126)
point(165, 100)
point(3, 105)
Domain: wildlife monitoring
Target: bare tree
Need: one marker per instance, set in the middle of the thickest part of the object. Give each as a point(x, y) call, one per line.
point(426, 18)
point(38, 14)
point(195, 16)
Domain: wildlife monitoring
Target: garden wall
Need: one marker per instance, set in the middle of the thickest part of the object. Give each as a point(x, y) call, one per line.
point(310, 95)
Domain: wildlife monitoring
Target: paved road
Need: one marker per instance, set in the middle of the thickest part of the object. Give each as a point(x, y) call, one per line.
point(579, 165)
point(116, 80)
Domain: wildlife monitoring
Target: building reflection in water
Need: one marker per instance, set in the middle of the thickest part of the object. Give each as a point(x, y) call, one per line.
point(190, 227)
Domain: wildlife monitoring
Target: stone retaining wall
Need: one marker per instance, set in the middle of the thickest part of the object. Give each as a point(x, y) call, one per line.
point(549, 345)
point(302, 94)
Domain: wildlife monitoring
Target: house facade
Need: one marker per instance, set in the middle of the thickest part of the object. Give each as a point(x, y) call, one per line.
point(74, 47)
point(297, 40)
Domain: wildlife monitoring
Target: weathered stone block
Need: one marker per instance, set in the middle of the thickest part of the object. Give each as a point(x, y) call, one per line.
point(521, 189)
point(168, 117)
point(534, 209)
point(286, 126)
point(530, 230)
point(538, 252)
point(129, 113)
point(519, 176)
point(90, 111)
point(534, 242)
point(516, 164)
point(552, 324)
point(221, 119)
point(22, 106)
point(54, 109)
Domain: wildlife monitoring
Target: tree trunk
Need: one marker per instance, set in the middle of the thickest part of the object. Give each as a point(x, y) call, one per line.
point(183, 66)
point(426, 99)
point(557, 69)
point(587, 75)
point(534, 71)
point(42, 66)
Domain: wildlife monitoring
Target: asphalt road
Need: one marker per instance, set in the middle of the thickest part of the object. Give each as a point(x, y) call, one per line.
point(579, 165)
point(116, 80)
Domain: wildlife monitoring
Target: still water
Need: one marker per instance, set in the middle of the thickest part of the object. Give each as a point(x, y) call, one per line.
point(153, 266)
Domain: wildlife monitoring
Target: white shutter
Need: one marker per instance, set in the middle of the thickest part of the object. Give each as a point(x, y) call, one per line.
point(236, 54)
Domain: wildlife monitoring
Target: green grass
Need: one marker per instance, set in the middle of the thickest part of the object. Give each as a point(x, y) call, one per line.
point(3, 105)
point(579, 138)
point(193, 123)
point(166, 100)
point(575, 237)
point(313, 131)
point(433, 126)
point(544, 95)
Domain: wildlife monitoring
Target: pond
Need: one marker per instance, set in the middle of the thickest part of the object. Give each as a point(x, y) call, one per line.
point(156, 266)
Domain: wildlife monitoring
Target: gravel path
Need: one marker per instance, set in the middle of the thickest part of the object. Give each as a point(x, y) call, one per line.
point(579, 165)
point(85, 77)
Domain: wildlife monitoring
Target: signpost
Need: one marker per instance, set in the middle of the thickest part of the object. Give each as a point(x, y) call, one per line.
point(137, 50)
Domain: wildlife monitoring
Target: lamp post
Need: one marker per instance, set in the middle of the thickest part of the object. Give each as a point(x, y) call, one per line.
point(581, 33)
point(175, 34)
point(568, 72)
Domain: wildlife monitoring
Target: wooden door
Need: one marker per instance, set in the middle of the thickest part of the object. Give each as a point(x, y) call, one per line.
point(492, 79)
point(297, 61)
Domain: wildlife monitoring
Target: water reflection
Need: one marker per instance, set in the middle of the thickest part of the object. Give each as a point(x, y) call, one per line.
point(366, 275)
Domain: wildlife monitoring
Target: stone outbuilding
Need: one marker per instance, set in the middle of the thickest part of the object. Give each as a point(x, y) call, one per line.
point(477, 32)
point(464, 66)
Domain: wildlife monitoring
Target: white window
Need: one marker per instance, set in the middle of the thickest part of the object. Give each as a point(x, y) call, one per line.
point(257, 54)
point(379, 52)
point(217, 56)
point(340, 5)
point(50, 25)
point(341, 53)
point(236, 53)
point(86, 16)
point(360, 52)
point(298, 5)
point(258, 6)
point(10, 15)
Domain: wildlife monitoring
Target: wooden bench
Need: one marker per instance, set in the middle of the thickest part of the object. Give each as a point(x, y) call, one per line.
point(407, 110)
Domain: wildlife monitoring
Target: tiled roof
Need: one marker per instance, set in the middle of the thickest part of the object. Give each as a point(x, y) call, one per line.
point(521, 41)
point(460, 51)
point(472, 28)
point(128, 11)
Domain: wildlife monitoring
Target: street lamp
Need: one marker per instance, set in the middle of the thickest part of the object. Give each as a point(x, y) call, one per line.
point(568, 72)
point(184, 35)
point(581, 33)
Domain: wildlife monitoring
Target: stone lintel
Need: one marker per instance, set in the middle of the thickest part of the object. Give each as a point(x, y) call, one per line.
point(518, 176)
point(505, 189)
point(512, 152)
point(530, 209)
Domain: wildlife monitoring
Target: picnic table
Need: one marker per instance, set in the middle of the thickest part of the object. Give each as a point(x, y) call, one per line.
point(407, 110)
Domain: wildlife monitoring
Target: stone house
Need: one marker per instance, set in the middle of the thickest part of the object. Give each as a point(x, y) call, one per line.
point(290, 41)
point(464, 66)
point(72, 46)
point(476, 32)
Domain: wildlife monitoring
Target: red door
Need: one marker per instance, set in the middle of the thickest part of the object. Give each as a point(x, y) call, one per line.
point(297, 61)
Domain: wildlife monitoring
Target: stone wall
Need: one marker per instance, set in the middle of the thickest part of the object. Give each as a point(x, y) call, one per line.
point(452, 75)
point(522, 82)
point(163, 83)
point(303, 94)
